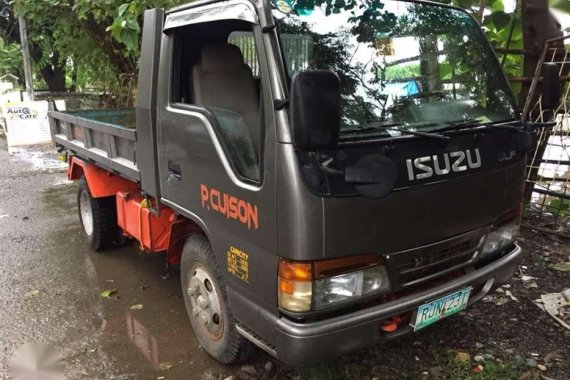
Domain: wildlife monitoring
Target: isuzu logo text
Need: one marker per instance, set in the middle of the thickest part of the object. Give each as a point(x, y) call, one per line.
point(428, 166)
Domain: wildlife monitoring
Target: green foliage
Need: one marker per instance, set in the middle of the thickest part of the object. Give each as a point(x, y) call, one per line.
point(124, 19)
point(559, 207)
point(490, 370)
point(125, 28)
point(502, 28)
point(96, 41)
point(410, 70)
point(563, 5)
point(10, 59)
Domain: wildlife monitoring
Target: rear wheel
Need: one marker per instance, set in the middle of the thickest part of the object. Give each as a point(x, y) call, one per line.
point(98, 217)
point(206, 300)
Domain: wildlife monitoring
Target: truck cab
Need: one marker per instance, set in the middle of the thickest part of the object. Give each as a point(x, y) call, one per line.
point(330, 177)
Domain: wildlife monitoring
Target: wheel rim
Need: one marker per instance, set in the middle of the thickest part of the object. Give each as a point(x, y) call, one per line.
point(205, 301)
point(86, 213)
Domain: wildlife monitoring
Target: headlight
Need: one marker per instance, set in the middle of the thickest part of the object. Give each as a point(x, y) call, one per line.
point(500, 237)
point(350, 286)
point(305, 286)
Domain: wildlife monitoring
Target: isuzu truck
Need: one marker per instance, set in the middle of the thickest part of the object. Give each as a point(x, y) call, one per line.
point(326, 175)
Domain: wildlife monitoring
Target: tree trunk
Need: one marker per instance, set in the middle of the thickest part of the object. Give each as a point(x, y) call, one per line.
point(54, 78)
point(74, 73)
point(52, 73)
point(539, 25)
point(429, 64)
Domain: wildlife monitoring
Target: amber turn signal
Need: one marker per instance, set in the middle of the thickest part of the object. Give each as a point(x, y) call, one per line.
point(305, 286)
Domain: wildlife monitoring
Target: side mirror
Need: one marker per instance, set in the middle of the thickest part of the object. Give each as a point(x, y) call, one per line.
point(315, 110)
point(550, 86)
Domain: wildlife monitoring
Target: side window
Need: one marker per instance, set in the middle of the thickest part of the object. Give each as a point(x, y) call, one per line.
point(220, 72)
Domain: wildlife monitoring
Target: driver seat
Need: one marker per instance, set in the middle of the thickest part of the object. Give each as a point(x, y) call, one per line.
point(221, 79)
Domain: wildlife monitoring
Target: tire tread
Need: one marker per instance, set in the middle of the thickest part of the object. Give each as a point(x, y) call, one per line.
point(105, 229)
point(237, 348)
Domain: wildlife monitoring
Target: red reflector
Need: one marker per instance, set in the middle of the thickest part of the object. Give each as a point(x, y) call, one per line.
point(390, 325)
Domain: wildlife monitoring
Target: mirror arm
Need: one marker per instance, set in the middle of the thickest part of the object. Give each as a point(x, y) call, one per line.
point(268, 28)
point(324, 164)
point(279, 104)
point(533, 126)
point(265, 17)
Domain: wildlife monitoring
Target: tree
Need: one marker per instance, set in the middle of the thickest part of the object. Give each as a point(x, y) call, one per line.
point(10, 59)
point(539, 26)
point(78, 42)
point(74, 42)
point(505, 31)
point(48, 66)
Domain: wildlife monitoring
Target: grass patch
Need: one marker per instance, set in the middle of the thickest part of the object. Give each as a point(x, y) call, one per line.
point(492, 369)
point(441, 364)
point(331, 371)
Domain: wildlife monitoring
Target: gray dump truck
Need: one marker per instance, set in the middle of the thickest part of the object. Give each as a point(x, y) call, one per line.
point(326, 176)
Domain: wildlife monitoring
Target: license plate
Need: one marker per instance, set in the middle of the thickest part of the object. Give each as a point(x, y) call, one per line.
point(445, 306)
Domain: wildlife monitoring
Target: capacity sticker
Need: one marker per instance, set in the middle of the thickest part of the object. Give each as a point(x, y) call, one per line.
point(238, 263)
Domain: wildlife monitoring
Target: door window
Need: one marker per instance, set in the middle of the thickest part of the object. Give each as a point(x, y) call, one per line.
point(216, 68)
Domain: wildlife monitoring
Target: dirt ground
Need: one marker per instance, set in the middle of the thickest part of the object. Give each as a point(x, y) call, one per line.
point(51, 285)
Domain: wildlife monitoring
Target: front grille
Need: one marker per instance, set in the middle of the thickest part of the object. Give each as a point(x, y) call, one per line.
point(426, 263)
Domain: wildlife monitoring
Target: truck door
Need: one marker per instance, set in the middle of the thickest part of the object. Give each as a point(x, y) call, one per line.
point(216, 134)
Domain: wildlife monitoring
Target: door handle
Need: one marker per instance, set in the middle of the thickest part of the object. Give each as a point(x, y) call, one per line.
point(174, 171)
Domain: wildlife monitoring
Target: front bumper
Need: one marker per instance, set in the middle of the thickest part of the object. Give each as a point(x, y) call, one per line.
point(300, 344)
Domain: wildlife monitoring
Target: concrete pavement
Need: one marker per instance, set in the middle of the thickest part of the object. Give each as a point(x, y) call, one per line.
point(50, 286)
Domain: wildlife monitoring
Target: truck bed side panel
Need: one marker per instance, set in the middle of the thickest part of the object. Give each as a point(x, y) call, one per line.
point(110, 146)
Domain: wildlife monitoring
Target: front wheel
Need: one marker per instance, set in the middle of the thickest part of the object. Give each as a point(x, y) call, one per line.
point(98, 217)
point(206, 301)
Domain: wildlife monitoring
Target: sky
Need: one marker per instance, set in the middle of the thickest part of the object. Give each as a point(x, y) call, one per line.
point(563, 18)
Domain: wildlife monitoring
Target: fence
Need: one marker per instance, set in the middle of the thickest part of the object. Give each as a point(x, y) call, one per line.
point(73, 100)
point(548, 171)
point(121, 95)
point(297, 48)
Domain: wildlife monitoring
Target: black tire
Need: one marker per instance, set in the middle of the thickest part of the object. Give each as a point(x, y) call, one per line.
point(225, 344)
point(103, 230)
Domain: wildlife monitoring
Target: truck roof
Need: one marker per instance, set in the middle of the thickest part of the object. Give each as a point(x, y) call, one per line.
point(199, 3)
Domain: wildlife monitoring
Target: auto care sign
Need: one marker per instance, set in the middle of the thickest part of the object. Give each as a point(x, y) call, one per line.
point(27, 123)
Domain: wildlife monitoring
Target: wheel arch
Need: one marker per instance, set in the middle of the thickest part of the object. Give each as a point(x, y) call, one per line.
point(186, 224)
point(101, 182)
point(180, 231)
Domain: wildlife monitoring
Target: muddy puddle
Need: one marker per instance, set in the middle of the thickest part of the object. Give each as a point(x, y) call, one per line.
point(142, 330)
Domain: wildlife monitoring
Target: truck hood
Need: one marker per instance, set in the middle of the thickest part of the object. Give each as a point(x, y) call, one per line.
point(426, 204)
point(440, 191)
point(420, 215)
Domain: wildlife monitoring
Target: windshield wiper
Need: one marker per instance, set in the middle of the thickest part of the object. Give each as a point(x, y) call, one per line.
point(374, 126)
point(467, 123)
point(395, 127)
point(430, 135)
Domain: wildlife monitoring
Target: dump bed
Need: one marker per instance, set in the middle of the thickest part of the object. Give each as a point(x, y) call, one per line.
point(106, 137)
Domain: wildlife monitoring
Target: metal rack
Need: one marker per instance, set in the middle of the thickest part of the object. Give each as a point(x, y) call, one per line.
point(548, 170)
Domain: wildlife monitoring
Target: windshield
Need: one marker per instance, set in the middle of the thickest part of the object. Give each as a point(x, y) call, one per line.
point(418, 66)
